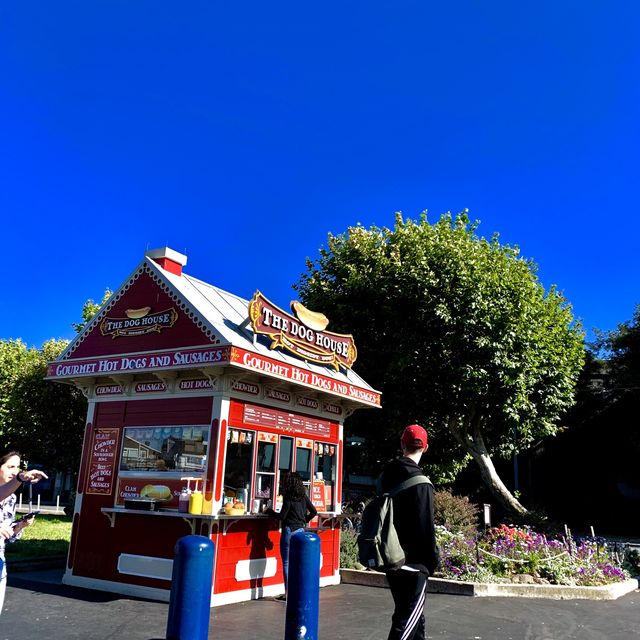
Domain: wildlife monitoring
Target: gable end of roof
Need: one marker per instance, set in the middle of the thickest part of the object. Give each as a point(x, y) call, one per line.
point(152, 270)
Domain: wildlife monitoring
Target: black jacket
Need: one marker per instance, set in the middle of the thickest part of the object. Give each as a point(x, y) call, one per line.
point(413, 515)
point(295, 513)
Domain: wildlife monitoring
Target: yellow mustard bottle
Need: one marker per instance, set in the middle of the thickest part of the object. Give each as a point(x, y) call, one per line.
point(195, 501)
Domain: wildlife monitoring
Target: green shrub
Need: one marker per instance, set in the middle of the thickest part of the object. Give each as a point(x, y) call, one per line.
point(559, 570)
point(349, 549)
point(632, 562)
point(456, 513)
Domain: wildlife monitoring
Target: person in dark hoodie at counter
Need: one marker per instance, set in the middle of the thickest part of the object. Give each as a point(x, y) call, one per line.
point(413, 521)
point(296, 511)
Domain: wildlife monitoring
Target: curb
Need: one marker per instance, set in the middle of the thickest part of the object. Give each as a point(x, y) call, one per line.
point(480, 590)
point(36, 564)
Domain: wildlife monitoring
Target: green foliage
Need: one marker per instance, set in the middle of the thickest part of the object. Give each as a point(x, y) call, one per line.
point(90, 309)
point(455, 513)
point(349, 549)
point(606, 413)
point(455, 330)
point(622, 366)
point(632, 562)
point(15, 361)
point(44, 421)
point(559, 571)
point(621, 347)
point(49, 535)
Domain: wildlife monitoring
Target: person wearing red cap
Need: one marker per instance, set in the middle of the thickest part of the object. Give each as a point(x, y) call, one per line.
point(413, 520)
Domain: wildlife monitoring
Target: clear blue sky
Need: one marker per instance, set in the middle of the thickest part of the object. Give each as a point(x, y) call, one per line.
point(242, 133)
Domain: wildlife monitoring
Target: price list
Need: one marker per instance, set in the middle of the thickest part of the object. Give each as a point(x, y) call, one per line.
point(284, 421)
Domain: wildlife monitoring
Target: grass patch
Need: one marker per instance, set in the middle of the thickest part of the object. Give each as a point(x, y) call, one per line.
point(49, 535)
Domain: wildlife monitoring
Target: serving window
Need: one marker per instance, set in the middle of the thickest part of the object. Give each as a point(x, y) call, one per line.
point(239, 464)
point(324, 475)
point(265, 466)
point(304, 448)
point(325, 462)
point(257, 463)
point(285, 459)
point(178, 449)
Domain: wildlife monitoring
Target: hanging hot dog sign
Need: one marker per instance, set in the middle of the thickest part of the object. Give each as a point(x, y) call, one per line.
point(303, 335)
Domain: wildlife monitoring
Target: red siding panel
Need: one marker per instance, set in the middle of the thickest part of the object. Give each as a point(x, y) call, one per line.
point(144, 292)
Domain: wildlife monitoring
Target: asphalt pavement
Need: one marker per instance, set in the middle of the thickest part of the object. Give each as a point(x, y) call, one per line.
point(38, 606)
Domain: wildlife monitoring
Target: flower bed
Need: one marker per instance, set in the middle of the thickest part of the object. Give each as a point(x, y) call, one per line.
point(519, 554)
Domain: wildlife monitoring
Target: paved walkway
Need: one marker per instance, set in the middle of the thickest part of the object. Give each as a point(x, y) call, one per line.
point(38, 606)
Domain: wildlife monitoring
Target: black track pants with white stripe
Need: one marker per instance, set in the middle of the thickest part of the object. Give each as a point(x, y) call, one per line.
point(409, 589)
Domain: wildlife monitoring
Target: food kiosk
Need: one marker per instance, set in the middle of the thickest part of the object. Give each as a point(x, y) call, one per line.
point(199, 404)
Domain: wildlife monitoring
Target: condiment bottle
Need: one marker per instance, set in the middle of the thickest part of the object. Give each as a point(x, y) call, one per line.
point(183, 501)
point(207, 499)
point(195, 501)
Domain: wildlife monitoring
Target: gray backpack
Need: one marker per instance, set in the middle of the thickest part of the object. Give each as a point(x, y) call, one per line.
point(378, 545)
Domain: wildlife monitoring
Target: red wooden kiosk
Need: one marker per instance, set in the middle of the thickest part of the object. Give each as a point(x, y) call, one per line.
point(185, 380)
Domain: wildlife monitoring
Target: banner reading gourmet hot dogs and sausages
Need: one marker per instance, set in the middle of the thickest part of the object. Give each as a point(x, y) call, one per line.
point(196, 358)
point(304, 336)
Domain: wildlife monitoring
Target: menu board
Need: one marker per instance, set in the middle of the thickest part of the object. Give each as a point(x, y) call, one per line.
point(284, 421)
point(102, 461)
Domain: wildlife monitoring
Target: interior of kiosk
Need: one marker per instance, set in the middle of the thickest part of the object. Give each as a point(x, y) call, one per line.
point(256, 464)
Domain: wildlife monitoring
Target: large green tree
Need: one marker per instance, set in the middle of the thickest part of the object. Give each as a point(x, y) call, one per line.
point(621, 350)
point(89, 309)
point(603, 434)
point(42, 420)
point(457, 332)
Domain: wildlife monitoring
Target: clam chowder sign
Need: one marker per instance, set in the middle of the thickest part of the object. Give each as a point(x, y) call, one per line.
point(304, 335)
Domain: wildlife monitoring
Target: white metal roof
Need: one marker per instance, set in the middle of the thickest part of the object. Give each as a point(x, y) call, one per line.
point(221, 314)
point(225, 313)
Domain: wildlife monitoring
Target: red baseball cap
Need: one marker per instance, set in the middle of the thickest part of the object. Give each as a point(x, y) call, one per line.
point(415, 436)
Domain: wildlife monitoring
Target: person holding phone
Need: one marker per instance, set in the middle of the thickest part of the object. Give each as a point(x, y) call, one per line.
point(32, 477)
point(10, 528)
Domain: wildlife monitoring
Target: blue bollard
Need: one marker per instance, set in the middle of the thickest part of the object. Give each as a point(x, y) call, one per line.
point(190, 603)
point(303, 592)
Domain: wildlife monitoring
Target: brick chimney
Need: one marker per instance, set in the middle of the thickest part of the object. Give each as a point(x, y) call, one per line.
point(168, 259)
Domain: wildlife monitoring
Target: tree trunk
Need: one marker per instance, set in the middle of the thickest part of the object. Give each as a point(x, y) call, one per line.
point(470, 437)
